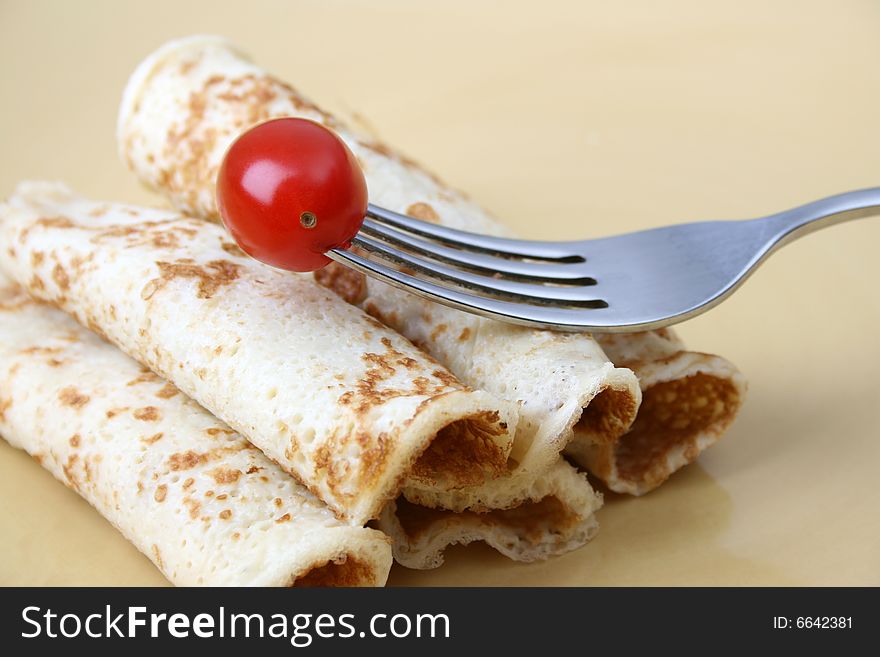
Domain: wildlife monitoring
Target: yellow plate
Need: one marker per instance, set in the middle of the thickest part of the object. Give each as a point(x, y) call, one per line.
point(568, 120)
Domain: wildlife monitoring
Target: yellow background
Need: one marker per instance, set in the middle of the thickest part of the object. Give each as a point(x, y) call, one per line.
point(568, 120)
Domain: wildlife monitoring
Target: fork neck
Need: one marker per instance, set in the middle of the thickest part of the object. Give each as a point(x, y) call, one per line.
point(805, 219)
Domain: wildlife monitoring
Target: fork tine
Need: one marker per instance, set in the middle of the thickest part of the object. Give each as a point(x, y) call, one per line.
point(563, 273)
point(462, 239)
point(549, 317)
point(501, 288)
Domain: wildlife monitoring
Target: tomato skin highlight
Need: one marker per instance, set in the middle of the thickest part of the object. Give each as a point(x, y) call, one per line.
point(290, 190)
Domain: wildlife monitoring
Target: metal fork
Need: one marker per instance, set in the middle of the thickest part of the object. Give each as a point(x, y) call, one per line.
point(632, 282)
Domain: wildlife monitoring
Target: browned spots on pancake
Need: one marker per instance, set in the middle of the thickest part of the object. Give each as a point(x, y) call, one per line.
point(45, 222)
point(532, 520)
point(232, 249)
point(334, 470)
point(190, 458)
point(161, 493)
point(423, 211)
point(344, 571)
point(11, 251)
point(94, 327)
point(376, 324)
point(37, 258)
point(167, 391)
point(371, 389)
point(284, 518)
point(5, 405)
point(147, 414)
point(37, 283)
point(144, 231)
point(216, 431)
point(389, 319)
point(278, 501)
point(185, 460)
point(439, 330)
point(225, 514)
point(347, 283)
point(236, 536)
point(156, 437)
point(465, 451)
point(251, 95)
point(146, 376)
point(253, 469)
point(113, 412)
point(60, 277)
point(74, 440)
point(673, 415)
point(608, 415)
point(194, 507)
point(464, 335)
point(225, 475)
point(40, 349)
point(384, 361)
point(67, 468)
point(87, 470)
point(211, 277)
point(188, 146)
point(448, 379)
point(191, 142)
point(165, 240)
point(13, 297)
point(189, 482)
point(77, 262)
point(158, 556)
point(72, 397)
point(98, 211)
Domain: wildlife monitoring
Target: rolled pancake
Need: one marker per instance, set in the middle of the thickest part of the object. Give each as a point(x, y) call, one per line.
point(556, 516)
point(188, 101)
point(330, 394)
point(191, 494)
point(688, 401)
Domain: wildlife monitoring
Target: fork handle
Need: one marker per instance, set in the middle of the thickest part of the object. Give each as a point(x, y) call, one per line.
point(805, 219)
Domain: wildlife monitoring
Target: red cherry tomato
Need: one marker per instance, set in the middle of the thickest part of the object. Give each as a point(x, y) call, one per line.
point(289, 190)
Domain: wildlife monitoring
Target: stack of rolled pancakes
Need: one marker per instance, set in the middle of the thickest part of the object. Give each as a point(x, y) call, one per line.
point(247, 426)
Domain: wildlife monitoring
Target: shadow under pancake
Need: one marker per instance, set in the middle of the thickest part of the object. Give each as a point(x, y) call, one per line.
point(773, 422)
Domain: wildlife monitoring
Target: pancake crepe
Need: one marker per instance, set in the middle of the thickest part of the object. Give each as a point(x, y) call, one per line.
point(186, 103)
point(688, 400)
point(191, 494)
point(556, 516)
point(327, 392)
